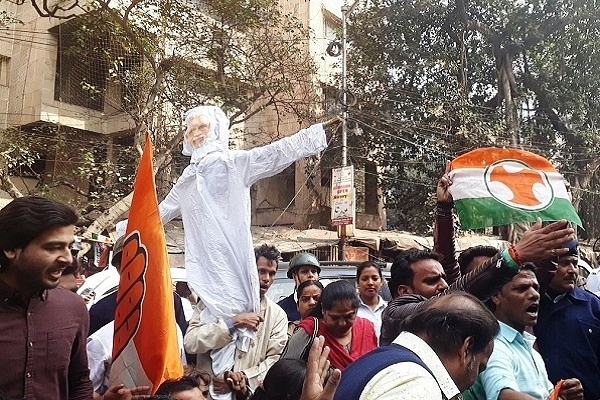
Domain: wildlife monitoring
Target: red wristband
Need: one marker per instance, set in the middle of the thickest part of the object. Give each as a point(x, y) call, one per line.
point(514, 254)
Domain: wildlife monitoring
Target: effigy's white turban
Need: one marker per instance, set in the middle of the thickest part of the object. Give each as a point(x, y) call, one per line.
point(219, 126)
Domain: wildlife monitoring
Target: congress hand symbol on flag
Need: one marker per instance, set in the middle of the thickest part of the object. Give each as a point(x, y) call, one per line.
point(145, 347)
point(493, 186)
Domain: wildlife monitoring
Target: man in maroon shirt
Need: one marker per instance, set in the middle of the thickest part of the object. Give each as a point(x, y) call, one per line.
point(43, 328)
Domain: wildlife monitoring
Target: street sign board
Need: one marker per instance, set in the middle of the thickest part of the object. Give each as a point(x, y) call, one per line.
point(342, 196)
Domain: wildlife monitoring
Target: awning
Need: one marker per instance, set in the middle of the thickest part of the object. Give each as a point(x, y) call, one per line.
point(286, 240)
point(289, 240)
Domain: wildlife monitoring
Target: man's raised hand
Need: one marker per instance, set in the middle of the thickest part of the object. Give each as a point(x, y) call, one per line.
point(542, 242)
point(316, 372)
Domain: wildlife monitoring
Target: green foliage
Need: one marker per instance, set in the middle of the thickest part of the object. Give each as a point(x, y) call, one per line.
point(428, 76)
point(244, 56)
point(240, 54)
point(154, 59)
point(51, 160)
point(17, 151)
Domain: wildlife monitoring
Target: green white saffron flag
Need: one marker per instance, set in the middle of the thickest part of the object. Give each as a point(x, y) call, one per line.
point(492, 186)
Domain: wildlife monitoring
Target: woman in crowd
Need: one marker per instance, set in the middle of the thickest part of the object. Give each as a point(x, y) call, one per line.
point(283, 381)
point(308, 294)
point(347, 335)
point(290, 379)
point(369, 279)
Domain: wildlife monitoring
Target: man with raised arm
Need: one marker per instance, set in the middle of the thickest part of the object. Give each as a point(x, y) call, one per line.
point(537, 244)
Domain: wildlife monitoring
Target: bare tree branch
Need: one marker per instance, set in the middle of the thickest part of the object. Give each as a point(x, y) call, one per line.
point(7, 185)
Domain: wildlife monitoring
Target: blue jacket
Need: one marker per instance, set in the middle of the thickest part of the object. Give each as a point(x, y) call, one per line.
point(356, 376)
point(103, 312)
point(290, 307)
point(568, 338)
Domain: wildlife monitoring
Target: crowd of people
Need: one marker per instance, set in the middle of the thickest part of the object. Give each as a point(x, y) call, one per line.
point(491, 324)
point(472, 334)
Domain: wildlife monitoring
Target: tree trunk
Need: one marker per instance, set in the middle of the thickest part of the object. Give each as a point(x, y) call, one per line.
point(109, 217)
point(583, 180)
point(7, 185)
point(506, 85)
point(514, 232)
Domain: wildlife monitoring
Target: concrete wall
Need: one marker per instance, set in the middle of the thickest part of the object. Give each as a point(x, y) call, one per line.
point(32, 49)
point(310, 207)
point(30, 52)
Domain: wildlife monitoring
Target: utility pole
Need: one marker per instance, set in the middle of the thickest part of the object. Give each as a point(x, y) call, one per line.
point(345, 10)
point(345, 13)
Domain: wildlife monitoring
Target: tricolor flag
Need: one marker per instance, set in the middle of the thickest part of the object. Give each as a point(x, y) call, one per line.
point(145, 348)
point(492, 186)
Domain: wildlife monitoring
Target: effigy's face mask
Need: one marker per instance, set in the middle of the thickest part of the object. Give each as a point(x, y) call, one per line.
point(197, 131)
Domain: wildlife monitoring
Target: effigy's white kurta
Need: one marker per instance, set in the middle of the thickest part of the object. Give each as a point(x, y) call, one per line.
point(213, 198)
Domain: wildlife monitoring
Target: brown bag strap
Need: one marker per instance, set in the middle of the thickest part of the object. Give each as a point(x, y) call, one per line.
point(306, 350)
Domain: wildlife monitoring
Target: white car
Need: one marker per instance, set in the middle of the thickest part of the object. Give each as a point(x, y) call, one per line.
point(106, 282)
point(592, 276)
point(331, 271)
point(584, 268)
point(99, 285)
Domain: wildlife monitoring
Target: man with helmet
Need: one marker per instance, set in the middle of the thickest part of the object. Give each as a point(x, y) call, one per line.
point(303, 267)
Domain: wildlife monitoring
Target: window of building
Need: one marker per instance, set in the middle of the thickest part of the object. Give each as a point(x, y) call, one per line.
point(4, 70)
point(129, 87)
point(83, 65)
point(371, 187)
point(331, 25)
point(331, 105)
point(125, 158)
point(80, 76)
point(326, 177)
point(36, 170)
point(283, 187)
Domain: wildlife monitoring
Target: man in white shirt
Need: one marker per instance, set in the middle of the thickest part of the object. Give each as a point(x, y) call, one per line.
point(99, 351)
point(270, 326)
point(443, 347)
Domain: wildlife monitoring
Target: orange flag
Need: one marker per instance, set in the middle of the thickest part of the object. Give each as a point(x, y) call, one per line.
point(556, 390)
point(145, 347)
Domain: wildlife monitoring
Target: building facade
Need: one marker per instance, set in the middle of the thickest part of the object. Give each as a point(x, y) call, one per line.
point(71, 112)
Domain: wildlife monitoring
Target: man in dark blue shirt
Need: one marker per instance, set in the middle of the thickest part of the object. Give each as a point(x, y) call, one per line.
point(568, 325)
point(103, 311)
point(303, 266)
